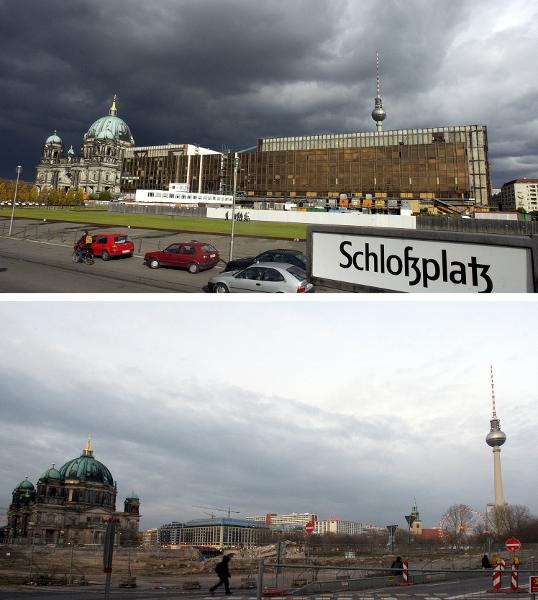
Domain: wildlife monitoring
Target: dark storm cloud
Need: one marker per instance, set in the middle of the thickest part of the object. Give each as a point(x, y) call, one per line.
point(223, 73)
point(198, 446)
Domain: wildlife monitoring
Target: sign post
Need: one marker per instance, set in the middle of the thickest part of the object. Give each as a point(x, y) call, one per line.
point(392, 534)
point(533, 586)
point(410, 520)
point(309, 528)
point(108, 551)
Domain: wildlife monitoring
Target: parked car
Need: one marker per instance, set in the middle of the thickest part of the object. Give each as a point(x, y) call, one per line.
point(292, 257)
point(262, 277)
point(108, 245)
point(194, 256)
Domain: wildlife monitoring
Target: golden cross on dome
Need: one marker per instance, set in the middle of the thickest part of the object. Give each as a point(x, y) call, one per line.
point(113, 108)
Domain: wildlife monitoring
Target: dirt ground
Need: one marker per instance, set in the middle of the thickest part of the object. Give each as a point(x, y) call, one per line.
point(160, 566)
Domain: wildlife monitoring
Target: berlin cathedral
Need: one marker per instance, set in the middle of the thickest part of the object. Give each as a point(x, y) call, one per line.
point(70, 505)
point(97, 169)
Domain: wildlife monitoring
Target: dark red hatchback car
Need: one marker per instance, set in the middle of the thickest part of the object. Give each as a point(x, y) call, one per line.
point(194, 256)
point(107, 245)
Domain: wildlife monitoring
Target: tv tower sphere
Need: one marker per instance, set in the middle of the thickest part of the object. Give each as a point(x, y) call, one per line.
point(496, 437)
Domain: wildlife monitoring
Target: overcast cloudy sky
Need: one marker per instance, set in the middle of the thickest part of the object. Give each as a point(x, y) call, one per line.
point(226, 72)
point(345, 409)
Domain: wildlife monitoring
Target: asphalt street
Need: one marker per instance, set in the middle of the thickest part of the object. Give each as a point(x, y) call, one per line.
point(37, 259)
point(455, 590)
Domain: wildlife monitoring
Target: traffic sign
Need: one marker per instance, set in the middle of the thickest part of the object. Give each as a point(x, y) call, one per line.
point(513, 545)
point(533, 585)
point(309, 528)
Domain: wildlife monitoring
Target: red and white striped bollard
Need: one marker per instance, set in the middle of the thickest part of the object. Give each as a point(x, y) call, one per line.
point(515, 579)
point(405, 572)
point(497, 578)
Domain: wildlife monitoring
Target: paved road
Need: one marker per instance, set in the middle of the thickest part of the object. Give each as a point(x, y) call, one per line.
point(457, 590)
point(37, 259)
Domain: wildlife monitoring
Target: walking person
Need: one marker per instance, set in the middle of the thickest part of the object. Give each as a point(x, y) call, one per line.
point(226, 215)
point(397, 566)
point(485, 562)
point(223, 572)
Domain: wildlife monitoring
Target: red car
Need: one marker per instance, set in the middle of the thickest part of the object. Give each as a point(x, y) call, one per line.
point(194, 256)
point(107, 245)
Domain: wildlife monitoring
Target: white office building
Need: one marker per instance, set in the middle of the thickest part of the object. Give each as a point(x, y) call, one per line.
point(520, 193)
point(336, 525)
point(285, 521)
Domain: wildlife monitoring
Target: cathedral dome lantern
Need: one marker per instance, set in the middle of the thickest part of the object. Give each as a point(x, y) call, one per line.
point(87, 468)
point(53, 147)
point(110, 128)
point(53, 139)
point(25, 486)
point(52, 473)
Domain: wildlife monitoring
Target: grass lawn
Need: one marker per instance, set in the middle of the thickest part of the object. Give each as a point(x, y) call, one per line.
point(201, 225)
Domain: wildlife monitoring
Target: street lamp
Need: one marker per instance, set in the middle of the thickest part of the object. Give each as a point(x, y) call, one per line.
point(19, 169)
point(236, 166)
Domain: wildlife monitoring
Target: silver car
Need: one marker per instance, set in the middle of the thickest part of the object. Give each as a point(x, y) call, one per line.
point(262, 277)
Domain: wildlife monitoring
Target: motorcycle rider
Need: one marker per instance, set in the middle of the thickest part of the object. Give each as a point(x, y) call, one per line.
point(84, 244)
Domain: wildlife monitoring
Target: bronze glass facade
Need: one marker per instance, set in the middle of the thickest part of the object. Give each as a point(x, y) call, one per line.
point(446, 163)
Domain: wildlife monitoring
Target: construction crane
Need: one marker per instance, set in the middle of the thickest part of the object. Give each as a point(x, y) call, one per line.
point(212, 515)
point(226, 510)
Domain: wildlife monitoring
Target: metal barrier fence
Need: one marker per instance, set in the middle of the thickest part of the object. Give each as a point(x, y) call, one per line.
point(311, 580)
point(477, 225)
point(150, 209)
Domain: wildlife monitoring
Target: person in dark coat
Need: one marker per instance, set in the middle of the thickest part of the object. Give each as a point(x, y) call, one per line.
point(485, 562)
point(397, 566)
point(223, 572)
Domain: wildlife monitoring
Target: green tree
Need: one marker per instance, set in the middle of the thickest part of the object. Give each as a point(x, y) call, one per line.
point(53, 197)
point(34, 194)
point(105, 195)
point(79, 197)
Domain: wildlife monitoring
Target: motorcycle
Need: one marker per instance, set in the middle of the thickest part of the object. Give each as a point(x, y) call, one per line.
point(81, 254)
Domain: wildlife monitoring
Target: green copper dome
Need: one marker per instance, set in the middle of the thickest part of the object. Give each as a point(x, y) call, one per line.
point(110, 127)
point(52, 473)
point(86, 468)
point(53, 139)
point(132, 496)
point(25, 485)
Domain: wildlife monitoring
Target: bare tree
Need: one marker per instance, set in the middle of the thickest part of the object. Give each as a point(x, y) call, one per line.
point(458, 523)
point(510, 520)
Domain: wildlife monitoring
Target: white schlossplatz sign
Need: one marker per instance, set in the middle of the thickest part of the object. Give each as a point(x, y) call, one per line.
point(411, 265)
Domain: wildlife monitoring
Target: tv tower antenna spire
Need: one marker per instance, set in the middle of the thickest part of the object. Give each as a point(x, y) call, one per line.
point(496, 439)
point(493, 393)
point(378, 114)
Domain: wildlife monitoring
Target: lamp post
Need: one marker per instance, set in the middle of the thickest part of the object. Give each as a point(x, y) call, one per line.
point(19, 169)
point(32, 524)
point(236, 165)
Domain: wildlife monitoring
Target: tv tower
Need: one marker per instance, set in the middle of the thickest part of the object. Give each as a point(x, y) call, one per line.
point(496, 439)
point(378, 114)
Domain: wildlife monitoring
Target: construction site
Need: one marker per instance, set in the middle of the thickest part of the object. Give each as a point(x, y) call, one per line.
point(186, 569)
